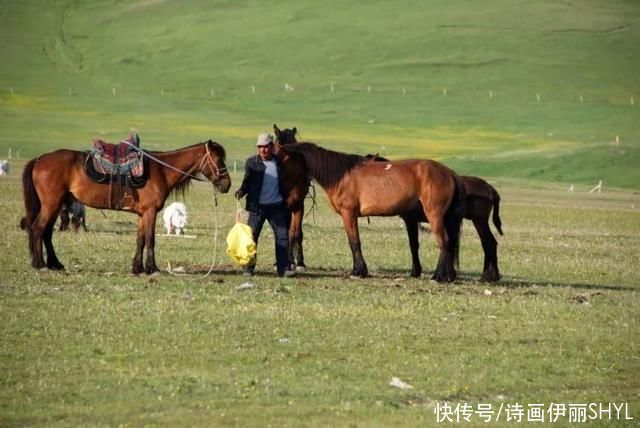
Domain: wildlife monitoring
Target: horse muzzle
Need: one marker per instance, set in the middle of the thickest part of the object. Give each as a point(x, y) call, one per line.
point(223, 184)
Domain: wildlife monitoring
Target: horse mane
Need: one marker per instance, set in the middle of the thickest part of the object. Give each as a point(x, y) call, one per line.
point(217, 147)
point(181, 188)
point(376, 158)
point(326, 166)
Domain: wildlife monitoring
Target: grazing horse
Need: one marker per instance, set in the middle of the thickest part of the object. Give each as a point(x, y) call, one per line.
point(51, 178)
point(359, 188)
point(481, 198)
point(296, 182)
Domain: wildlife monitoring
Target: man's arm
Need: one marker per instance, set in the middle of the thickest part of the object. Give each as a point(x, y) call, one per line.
point(244, 187)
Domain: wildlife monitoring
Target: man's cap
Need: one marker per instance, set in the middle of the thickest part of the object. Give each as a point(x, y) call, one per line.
point(264, 140)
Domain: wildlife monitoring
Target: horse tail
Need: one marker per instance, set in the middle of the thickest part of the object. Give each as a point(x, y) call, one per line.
point(453, 219)
point(496, 210)
point(31, 198)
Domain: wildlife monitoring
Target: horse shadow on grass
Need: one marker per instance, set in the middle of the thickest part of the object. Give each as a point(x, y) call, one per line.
point(266, 272)
point(507, 281)
point(465, 278)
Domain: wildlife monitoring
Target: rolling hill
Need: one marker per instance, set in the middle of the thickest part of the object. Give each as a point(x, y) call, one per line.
point(526, 89)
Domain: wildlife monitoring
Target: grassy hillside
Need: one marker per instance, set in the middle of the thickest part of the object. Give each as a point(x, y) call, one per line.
point(501, 86)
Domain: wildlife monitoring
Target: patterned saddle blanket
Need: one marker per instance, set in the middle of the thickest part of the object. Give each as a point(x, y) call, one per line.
point(118, 159)
point(108, 163)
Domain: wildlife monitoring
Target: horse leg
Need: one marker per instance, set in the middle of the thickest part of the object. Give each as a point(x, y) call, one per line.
point(52, 260)
point(137, 268)
point(39, 233)
point(149, 219)
point(350, 221)
point(412, 231)
point(445, 271)
point(490, 272)
point(295, 240)
point(35, 245)
point(64, 220)
point(300, 266)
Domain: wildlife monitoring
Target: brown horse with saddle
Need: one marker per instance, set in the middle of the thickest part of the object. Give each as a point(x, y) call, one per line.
point(50, 179)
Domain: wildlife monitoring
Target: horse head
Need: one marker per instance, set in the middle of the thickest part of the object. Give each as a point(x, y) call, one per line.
point(285, 136)
point(213, 166)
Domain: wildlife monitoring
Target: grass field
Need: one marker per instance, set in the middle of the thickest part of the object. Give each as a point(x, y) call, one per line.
point(96, 346)
point(534, 95)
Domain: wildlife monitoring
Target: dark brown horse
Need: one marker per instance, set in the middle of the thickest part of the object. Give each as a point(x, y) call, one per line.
point(481, 198)
point(51, 178)
point(297, 182)
point(358, 188)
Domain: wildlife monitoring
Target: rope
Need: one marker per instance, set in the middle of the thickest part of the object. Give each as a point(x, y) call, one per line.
point(143, 153)
point(215, 234)
point(215, 239)
point(314, 204)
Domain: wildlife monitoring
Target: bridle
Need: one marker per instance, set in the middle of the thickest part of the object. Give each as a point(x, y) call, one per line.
point(207, 161)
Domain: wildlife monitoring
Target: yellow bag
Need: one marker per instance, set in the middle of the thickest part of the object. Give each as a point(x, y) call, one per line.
point(240, 245)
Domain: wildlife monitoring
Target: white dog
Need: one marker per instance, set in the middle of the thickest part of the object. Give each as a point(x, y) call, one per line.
point(175, 218)
point(4, 167)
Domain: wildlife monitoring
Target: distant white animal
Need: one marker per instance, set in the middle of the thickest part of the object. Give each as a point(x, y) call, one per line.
point(175, 218)
point(4, 167)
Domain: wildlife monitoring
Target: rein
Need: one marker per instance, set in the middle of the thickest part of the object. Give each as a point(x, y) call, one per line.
point(215, 234)
point(314, 204)
point(206, 158)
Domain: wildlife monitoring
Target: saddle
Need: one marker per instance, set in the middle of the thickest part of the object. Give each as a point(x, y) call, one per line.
point(118, 159)
point(118, 163)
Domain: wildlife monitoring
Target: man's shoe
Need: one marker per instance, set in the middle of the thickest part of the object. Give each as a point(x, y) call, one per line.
point(290, 273)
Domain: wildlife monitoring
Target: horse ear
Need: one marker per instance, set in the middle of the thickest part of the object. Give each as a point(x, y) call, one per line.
point(276, 130)
point(295, 130)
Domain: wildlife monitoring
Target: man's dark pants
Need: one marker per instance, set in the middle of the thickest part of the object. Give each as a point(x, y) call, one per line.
point(279, 217)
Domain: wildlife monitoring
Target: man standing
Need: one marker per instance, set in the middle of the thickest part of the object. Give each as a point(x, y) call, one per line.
point(266, 201)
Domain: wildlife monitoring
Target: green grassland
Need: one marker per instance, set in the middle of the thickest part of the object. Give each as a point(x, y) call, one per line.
point(185, 72)
point(530, 94)
point(96, 346)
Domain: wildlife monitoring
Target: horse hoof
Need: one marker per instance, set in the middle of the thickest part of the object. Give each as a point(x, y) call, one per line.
point(443, 278)
point(56, 266)
point(359, 275)
point(155, 273)
point(490, 275)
